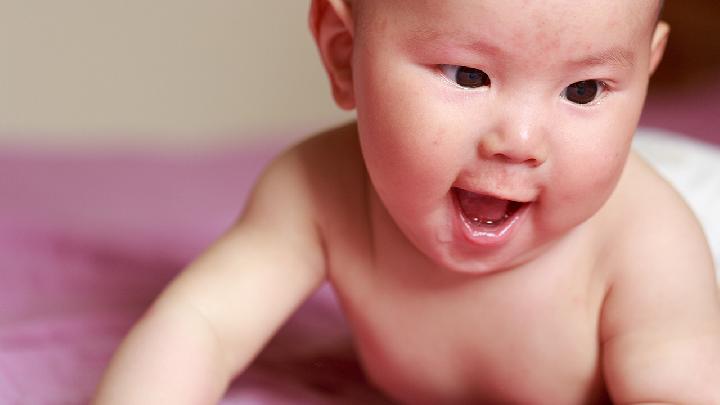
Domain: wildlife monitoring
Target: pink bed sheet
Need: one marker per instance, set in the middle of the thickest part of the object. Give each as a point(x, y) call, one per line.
point(87, 241)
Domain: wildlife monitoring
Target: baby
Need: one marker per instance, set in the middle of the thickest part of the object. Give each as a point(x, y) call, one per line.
point(489, 233)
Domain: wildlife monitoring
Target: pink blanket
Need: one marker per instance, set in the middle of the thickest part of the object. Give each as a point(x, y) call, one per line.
point(87, 242)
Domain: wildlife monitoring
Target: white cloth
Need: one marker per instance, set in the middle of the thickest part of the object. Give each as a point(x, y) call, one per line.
point(693, 168)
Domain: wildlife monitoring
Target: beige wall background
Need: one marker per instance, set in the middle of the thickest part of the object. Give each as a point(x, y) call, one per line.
point(159, 73)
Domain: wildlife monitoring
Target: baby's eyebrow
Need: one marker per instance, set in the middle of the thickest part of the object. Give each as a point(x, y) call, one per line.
point(615, 56)
point(426, 35)
point(618, 57)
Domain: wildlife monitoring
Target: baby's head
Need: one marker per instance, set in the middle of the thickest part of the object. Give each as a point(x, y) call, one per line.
point(491, 128)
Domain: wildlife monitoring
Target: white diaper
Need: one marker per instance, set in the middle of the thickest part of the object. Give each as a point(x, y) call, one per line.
point(693, 167)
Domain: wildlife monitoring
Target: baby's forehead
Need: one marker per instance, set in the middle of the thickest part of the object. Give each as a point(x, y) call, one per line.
point(562, 7)
point(515, 19)
point(515, 35)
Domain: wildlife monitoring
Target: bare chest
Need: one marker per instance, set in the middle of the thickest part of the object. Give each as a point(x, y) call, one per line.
point(512, 338)
point(427, 335)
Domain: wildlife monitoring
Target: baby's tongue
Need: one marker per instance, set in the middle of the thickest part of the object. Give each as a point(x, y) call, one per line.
point(479, 208)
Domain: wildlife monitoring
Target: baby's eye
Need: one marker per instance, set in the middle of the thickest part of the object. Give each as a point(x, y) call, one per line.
point(466, 76)
point(583, 92)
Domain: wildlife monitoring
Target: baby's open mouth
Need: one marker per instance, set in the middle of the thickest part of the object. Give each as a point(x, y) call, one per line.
point(483, 211)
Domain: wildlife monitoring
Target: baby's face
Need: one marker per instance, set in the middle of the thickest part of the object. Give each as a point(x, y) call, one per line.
point(491, 128)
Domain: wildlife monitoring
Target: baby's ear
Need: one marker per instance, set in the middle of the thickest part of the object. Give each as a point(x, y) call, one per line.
point(659, 42)
point(332, 27)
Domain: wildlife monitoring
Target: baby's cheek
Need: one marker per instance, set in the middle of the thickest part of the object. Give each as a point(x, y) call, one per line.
point(410, 150)
point(586, 181)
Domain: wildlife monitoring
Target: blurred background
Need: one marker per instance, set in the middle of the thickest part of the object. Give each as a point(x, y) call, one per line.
point(684, 93)
point(157, 74)
point(186, 74)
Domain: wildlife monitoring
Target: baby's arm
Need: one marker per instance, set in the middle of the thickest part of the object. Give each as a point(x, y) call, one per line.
point(216, 316)
point(661, 318)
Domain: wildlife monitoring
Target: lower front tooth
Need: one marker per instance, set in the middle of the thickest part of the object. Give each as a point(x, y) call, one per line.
point(485, 221)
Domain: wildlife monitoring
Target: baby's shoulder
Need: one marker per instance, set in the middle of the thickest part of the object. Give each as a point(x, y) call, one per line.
point(334, 152)
point(647, 224)
point(326, 169)
point(644, 191)
point(661, 302)
point(332, 162)
point(321, 160)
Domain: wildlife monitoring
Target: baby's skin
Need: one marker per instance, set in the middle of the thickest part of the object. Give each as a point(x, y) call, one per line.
point(489, 233)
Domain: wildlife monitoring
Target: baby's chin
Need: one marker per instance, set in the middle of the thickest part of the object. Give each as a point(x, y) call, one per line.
point(450, 255)
point(479, 264)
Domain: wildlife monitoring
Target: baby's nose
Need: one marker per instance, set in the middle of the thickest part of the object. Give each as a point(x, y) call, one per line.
point(517, 140)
